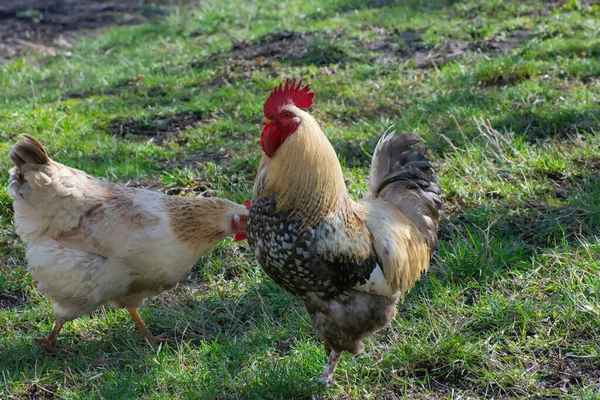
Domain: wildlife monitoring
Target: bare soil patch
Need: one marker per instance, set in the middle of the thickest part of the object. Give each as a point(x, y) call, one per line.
point(136, 89)
point(409, 46)
point(284, 347)
point(323, 48)
point(282, 46)
point(277, 45)
point(197, 159)
point(306, 47)
point(565, 372)
point(12, 300)
point(47, 25)
point(158, 128)
point(38, 392)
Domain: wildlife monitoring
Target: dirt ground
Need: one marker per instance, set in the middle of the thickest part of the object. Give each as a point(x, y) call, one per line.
point(48, 25)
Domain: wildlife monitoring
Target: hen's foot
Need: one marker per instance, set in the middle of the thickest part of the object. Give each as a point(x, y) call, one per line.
point(141, 327)
point(49, 341)
point(157, 339)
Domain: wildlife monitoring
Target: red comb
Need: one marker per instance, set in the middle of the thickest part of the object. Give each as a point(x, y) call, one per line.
point(248, 204)
point(290, 93)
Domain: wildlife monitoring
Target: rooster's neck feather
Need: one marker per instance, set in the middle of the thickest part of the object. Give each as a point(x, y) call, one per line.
point(305, 175)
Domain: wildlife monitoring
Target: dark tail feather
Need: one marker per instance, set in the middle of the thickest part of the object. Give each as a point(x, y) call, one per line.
point(28, 151)
point(403, 176)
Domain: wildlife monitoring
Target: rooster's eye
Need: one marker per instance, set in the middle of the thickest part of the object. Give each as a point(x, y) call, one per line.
point(286, 115)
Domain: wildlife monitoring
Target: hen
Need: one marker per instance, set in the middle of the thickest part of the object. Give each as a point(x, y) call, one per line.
point(348, 261)
point(90, 242)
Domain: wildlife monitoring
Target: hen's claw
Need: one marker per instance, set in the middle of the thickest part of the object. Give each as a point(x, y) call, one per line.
point(158, 339)
point(141, 327)
point(47, 343)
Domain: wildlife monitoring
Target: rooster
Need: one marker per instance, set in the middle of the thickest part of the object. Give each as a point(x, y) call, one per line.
point(90, 242)
point(348, 261)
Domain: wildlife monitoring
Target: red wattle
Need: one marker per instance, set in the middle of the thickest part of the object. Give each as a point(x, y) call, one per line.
point(266, 139)
point(274, 134)
point(240, 236)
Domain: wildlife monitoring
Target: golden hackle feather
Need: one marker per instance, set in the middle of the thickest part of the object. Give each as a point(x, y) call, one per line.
point(304, 174)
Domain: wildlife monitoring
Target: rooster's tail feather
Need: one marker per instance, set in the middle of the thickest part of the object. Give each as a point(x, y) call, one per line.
point(402, 175)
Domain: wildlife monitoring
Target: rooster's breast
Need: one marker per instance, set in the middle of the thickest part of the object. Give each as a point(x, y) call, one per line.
point(288, 253)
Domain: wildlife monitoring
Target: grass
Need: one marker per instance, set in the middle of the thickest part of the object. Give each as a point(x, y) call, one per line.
point(506, 93)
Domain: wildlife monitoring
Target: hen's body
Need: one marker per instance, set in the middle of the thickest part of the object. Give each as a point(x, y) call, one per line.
point(348, 261)
point(90, 242)
point(122, 248)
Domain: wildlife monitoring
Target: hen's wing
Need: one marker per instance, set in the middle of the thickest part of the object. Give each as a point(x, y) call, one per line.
point(65, 204)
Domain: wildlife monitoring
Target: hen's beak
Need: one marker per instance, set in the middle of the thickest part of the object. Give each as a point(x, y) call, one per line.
point(265, 120)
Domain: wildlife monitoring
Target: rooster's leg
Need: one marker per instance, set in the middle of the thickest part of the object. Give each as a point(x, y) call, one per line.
point(334, 359)
point(49, 341)
point(141, 326)
point(327, 348)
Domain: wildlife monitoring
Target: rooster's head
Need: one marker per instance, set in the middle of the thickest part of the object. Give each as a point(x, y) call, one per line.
point(282, 115)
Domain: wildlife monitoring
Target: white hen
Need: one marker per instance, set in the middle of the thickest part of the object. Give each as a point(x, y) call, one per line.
point(90, 242)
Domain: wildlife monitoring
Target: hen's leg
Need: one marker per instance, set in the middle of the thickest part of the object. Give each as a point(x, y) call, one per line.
point(49, 341)
point(334, 359)
point(141, 326)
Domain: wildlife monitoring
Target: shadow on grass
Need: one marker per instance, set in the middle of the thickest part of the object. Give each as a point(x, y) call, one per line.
point(76, 358)
point(12, 300)
point(226, 337)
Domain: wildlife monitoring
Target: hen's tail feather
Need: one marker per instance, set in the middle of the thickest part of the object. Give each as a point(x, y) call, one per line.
point(402, 175)
point(28, 151)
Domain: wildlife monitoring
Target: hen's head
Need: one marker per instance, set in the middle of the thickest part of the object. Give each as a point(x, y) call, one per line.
point(282, 115)
point(239, 220)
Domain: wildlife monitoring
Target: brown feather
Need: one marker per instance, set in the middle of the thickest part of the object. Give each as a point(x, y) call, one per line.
point(200, 220)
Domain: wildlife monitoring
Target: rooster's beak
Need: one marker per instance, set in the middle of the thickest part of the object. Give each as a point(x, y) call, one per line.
point(265, 120)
